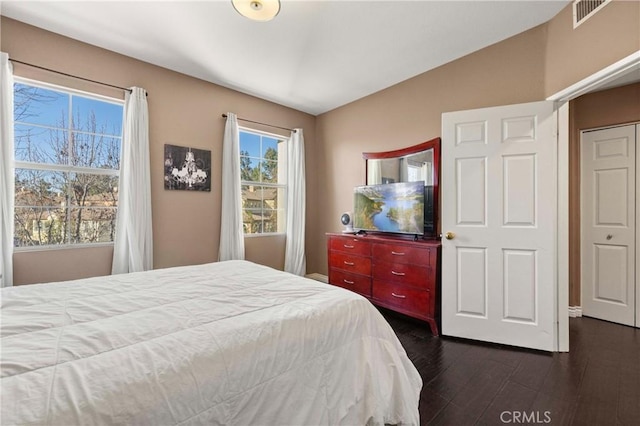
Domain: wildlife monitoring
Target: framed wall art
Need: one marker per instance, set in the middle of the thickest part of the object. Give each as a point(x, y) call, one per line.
point(187, 168)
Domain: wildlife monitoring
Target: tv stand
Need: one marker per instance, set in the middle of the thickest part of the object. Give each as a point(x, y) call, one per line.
point(398, 273)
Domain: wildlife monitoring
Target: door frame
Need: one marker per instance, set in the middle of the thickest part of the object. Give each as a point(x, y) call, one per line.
point(588, 84)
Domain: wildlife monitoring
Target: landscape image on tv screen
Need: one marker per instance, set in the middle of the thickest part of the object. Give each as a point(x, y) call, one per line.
point(395, 207)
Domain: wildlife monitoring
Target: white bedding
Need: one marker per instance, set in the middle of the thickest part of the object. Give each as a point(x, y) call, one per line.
point(231, 343)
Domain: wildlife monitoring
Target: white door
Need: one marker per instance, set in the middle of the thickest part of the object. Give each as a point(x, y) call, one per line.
point(499, 206)
point(608, 176)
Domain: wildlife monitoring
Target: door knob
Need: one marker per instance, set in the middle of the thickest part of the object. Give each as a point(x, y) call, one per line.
point(449, 235)
point(609, 237)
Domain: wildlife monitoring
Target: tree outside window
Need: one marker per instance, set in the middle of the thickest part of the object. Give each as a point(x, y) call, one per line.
point(67, 161)
point(263, 175)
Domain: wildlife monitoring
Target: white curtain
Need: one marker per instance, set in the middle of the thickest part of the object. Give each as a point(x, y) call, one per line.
point(375, 172)
point(6, 171)
point(133, 248)
point(231, 232)
point(294, 257)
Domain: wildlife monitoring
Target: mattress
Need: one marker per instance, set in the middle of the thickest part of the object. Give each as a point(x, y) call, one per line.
point(230, 343)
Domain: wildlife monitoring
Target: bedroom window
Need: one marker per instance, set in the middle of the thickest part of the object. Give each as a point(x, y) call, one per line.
point(263, 172)
point(67, 162)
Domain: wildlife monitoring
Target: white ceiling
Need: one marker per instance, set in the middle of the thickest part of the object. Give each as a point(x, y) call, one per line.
point(314, 56)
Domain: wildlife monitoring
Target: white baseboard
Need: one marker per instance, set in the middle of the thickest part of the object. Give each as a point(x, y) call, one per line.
point(575, 311)
point(318, 277)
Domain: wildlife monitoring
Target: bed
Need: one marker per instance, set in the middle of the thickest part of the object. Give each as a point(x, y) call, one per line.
point(230, 343)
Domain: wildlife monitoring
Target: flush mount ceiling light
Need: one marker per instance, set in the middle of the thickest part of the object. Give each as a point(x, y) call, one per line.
point(258, 10)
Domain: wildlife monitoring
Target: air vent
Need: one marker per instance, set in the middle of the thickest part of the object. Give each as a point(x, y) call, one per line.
point(584, 9)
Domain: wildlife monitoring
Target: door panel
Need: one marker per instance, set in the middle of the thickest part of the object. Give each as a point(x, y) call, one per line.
point(499, 201)
point(471, 206)
point(608, 174)
point(471, 294)
point(610, 198)
point(520, 191)
point(520, 284)
point(610, 264)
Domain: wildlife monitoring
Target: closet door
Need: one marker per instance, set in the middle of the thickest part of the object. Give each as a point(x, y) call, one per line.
point(608, 240)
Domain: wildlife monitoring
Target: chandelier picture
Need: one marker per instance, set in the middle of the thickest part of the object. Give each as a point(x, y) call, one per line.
point(187, 168)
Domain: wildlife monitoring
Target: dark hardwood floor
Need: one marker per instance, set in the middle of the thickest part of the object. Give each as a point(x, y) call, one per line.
point(470, 383)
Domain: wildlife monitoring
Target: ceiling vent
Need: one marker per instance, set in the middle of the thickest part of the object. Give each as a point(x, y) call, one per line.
point(585, 9)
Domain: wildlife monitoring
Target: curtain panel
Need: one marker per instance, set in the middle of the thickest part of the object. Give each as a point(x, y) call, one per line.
point(7, 177)
point(231, 232)
point(294, 258)
point(375, 172)
point(133, 247)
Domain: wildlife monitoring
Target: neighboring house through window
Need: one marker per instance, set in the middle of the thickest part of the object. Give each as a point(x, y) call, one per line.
point(263, 172)
point(67, 162)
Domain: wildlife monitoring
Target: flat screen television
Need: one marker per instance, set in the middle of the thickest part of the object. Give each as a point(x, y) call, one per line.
point(392, 207)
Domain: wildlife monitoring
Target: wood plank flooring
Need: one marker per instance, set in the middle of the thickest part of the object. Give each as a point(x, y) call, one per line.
point(470, 383)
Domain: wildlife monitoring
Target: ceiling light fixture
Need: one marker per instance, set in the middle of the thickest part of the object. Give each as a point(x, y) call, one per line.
point(257, 10)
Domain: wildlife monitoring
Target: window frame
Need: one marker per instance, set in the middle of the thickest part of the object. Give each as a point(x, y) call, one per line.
point(285, 186)
point(66, 168)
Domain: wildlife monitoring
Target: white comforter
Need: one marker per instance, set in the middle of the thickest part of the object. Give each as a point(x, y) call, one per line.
point(224, 343)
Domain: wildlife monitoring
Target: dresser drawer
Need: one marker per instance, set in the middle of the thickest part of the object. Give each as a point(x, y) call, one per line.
point(350, 263)
point(358, 283)
point(410, 300)
point(402, 254)
point(402, 273)
point(350, 245)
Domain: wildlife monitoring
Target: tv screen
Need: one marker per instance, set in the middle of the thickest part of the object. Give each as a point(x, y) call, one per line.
point(393, 207)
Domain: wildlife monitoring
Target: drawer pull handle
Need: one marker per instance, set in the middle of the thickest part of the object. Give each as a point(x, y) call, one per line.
point(348, 282)
point(399, 296)
point(400, 274)
point(397, 253)
point(349, 263)
point(348, 246)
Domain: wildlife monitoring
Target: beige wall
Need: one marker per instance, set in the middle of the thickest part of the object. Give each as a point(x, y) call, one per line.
point(182, 111)
point(571, 55)
point(528, 67)
point(620, 105)
point(410, 112)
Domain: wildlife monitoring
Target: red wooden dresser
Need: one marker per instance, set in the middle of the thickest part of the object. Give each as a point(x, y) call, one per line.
point(393, 272)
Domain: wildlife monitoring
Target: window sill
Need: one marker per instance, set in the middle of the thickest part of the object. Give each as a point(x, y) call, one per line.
point(60, 247)
point(270, 234)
